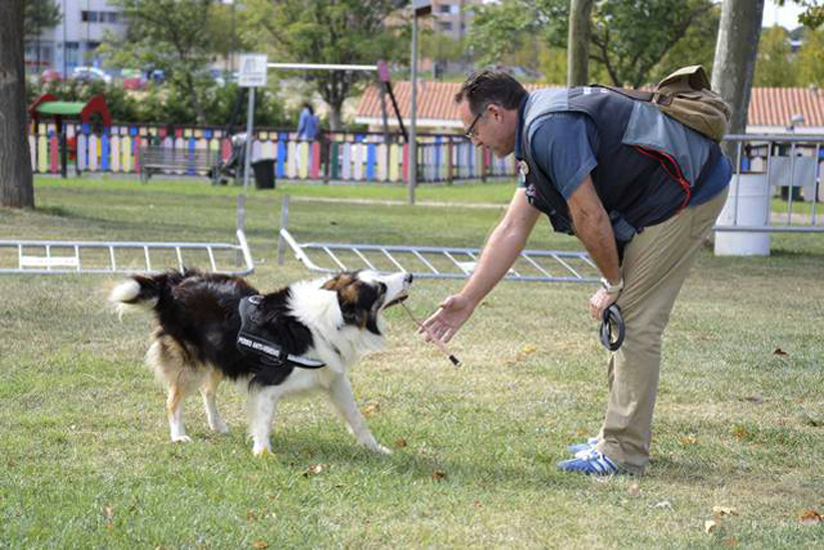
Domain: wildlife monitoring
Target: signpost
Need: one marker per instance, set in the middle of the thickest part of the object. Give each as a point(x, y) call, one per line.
point(253, 70)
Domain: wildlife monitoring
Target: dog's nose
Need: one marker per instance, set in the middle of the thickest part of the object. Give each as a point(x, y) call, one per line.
point(408, 279)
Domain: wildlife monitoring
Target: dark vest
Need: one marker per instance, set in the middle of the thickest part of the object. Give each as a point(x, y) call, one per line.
point(648, 164)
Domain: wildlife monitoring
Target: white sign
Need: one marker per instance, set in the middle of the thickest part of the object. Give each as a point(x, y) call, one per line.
point(253, 70)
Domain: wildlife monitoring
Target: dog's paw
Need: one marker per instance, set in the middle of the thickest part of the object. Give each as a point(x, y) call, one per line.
point(380, 449)
point(181, 438)
point(220, 427)
point(262, 450)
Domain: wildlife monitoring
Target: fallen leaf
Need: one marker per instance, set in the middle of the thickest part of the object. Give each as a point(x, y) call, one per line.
point(260, 544)
point(438, 475)
point(528, 349)
point(313, 470)
point(400, 443)
point(664, 505)
point(779, 351)
point(687, 440)
point(710, 526)
point(730, 542)
point(371, 409)
point(250, 515)
point(108, 512)
point(634, 490)
point(724, 510)
point(811, 517)
point(741, 433)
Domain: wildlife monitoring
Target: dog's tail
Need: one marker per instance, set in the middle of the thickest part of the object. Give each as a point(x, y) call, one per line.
point(144, 291)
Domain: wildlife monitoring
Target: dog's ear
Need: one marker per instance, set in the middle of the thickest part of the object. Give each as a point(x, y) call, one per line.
point(359, 301)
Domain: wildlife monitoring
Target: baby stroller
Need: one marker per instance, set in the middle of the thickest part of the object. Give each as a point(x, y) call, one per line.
point(232, 167)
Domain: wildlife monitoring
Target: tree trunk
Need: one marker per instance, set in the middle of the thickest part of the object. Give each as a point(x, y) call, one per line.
point(336, 116)
point(16, 188)
point(734, 65)
point(580, 26)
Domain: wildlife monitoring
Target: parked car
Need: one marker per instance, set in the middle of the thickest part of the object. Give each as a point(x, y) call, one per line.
point(134, 79)
point(90, 74)
point(50, 75)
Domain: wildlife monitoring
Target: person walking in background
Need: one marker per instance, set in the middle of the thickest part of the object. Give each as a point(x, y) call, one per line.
point(308, 123)
point(638, 188)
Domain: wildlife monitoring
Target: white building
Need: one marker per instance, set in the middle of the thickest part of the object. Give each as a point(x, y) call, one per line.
point(74, 40)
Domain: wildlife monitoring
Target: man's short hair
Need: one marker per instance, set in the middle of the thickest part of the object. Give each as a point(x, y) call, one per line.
point(488, 86)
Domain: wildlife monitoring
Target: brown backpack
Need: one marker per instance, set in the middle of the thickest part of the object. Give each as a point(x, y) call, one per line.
point(685, 95)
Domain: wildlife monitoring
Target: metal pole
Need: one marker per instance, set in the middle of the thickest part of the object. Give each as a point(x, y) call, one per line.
point(413, 133)
point(248, 146)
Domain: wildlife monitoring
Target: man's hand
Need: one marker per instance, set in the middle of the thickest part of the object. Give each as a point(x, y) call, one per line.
point(599, 302)
point(451, 315)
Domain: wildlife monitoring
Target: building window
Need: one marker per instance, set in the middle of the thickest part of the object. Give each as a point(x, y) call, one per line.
point(444, 8)
point(89, 16)
point(445, 25)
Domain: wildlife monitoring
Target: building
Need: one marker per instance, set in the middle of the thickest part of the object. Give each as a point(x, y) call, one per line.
point(771, 110)
point(73, 41)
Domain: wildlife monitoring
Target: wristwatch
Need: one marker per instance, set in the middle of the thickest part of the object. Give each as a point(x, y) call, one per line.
point(612, 288)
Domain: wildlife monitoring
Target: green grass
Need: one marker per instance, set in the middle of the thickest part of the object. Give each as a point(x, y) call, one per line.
point(85, 460)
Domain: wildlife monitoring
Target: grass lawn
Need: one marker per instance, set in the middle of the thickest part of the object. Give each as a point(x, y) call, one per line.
point(86, 461)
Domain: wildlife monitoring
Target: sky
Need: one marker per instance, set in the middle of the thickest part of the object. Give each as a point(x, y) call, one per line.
point(786, 17)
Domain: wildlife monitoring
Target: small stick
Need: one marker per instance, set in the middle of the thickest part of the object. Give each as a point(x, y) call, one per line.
point(441, 345)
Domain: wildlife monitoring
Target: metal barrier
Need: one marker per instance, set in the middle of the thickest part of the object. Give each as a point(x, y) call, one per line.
point(431, 262)
point(63, 257)
point(791, 163)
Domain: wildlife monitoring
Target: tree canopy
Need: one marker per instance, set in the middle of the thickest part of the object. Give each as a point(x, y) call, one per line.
point(629, 38)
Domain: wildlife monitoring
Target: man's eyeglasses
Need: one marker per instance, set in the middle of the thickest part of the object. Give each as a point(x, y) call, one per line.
point(470, 132)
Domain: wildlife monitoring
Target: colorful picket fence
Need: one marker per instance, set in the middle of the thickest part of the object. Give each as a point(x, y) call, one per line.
point(341, 157)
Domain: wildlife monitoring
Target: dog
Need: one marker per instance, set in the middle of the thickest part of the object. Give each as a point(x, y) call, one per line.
point(303, 337)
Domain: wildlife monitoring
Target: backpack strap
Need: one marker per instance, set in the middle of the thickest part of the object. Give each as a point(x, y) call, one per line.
point(639, 95)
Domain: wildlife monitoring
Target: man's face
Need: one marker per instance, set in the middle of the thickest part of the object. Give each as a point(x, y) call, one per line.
point(491, 128)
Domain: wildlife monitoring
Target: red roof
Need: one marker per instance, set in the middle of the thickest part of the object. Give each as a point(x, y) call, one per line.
point(768, 106)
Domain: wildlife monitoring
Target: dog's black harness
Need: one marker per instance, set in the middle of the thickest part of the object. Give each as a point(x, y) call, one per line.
point(270, 353)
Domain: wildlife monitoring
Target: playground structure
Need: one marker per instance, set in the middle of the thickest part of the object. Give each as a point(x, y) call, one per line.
point(94, 112)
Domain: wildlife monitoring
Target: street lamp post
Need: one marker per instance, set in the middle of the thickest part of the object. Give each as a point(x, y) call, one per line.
point(419, 8)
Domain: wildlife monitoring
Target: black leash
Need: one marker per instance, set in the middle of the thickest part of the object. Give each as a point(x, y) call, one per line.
point(612, 318)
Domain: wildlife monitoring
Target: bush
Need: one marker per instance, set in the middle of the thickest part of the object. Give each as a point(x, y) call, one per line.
point(165, 104)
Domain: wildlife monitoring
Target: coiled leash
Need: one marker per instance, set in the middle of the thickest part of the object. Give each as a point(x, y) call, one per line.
point(612, 318)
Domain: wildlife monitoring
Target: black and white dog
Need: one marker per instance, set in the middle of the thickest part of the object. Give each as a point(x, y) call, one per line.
point(302, 337)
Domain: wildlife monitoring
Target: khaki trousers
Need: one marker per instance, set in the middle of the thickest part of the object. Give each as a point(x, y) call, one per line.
point(655, 265)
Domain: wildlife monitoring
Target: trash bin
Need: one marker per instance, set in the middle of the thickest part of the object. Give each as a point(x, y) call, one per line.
point(747, 206)
point(264, 173)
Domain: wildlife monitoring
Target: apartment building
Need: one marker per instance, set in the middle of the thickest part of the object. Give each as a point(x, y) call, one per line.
point(74, 40)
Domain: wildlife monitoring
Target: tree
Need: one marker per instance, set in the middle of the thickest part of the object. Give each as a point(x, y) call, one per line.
point(173, 36)
point(329, 31)
point(735, 56)
point(774, 66)
point(813, 15)
point(16, 189)
point(580, 32)
point(810, 62)
point(628, 40)
point(40, 15)
point(631, 38)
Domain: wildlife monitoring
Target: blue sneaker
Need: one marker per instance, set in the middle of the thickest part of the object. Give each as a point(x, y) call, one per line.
point(594, 463)
point(587, 446)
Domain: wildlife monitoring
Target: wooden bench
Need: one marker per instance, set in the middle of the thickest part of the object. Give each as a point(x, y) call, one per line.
point(168, 160)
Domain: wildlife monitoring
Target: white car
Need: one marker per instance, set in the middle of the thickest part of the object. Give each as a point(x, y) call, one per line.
point(90, 74)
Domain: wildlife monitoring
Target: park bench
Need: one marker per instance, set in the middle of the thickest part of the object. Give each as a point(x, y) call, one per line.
point(168, 160)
